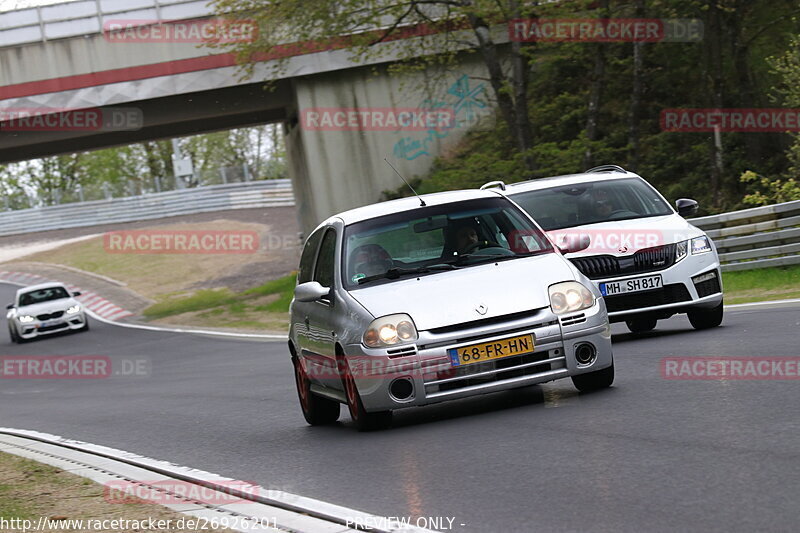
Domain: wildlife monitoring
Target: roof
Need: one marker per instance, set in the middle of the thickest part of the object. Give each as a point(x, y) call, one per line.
point(407, 204)
point(40, 286)
point(568, 179)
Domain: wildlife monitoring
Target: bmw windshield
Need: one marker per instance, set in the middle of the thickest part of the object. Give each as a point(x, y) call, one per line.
point(438, 238)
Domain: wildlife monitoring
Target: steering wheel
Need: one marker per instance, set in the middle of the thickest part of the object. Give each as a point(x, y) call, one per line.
point(479, 245)
point(622, 212)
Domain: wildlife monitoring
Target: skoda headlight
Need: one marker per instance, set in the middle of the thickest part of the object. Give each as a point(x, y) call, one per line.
point(700, 245)
point(73, 309)
point(390, 330)
point(569, 296)
point(26, 319)
point(681, 249)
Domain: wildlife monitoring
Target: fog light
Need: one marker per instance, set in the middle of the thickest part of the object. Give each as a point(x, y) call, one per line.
point(401, 389)
point(585, 353)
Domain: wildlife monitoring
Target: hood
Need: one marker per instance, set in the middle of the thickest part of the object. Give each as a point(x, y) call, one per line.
point(451, 297)
point(633, 235)
point(47, 307)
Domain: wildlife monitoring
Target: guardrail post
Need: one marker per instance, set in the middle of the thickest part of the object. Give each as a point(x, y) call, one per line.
point(106, 191)
point(80, 192)
point(224, 175)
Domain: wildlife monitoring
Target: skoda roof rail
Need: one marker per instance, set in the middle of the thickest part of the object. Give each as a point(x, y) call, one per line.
point(491, 184)
point(606, 168)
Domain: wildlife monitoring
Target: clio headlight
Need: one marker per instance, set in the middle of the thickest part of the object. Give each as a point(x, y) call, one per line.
point(569, 296)
point(390, 330)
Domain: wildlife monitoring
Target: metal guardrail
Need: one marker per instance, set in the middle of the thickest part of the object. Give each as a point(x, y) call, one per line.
point(84, 17)
point(760, 237)
point(255, 194)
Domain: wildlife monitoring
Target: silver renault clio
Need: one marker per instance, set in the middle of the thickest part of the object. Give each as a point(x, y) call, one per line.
point(432, 298)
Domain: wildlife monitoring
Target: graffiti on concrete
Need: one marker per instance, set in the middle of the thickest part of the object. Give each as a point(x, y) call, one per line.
point(468, 101)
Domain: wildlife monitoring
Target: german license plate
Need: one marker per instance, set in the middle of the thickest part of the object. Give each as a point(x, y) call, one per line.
point(478, 353)
point(610, 288)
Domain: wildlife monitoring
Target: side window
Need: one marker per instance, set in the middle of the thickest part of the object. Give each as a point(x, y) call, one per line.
point(307, 259)
point(323, 272)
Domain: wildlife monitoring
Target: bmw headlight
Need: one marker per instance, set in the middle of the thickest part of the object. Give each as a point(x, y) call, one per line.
point(569, 296)
point(73, 309)
point(700, 245)
point(390, 330)
point(26, 319)
point(681, 249)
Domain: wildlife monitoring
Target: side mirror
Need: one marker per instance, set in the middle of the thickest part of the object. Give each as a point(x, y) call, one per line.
point(310, 291)
point(687, 207)
point(76, 293)
point(572, 243)
point(10, 306)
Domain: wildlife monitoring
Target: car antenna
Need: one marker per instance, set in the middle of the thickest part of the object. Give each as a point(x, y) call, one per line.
point(421, 201)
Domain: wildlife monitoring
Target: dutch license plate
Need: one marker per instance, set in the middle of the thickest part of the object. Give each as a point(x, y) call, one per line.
point(477, 353)
point(610, 288)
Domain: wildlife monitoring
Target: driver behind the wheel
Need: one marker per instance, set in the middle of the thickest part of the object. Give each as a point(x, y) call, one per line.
point(466, 239)
point(601, 204)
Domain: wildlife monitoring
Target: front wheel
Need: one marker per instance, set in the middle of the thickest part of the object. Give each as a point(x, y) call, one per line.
point(641, 325)
point(316, 410)
point(592, 381)
point(13, 334)
point(363, 420)
point(706, 318)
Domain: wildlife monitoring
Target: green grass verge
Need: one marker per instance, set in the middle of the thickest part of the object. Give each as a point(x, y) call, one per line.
point(761, 284)
point(262, 307)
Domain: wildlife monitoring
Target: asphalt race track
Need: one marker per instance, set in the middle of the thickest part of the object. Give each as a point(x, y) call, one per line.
point(647, 455)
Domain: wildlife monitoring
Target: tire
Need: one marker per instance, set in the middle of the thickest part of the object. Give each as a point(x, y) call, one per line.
point(363, 420)
point(592, 381)
point(317, 410)
point(13, 334)
point(706, 318)
point(641, 325)
point(85, 325)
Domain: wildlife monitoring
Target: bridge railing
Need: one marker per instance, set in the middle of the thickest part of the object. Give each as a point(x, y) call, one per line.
point(85, 17)
point(760, 237)
point(256, 194)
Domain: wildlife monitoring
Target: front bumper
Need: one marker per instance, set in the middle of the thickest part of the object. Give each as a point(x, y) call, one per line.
point(426, 365)
point(37, 328)
point(678, 294)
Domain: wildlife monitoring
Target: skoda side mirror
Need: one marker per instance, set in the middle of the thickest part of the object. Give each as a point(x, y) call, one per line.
point(687, 207)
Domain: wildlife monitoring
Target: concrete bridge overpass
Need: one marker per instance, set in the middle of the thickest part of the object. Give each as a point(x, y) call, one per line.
point(58, 58)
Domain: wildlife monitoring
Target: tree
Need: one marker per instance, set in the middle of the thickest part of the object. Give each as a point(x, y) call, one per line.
point(422, 32)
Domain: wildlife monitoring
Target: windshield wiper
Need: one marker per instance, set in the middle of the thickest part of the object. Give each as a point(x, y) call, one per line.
point(395, 273)
point(462, 259)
